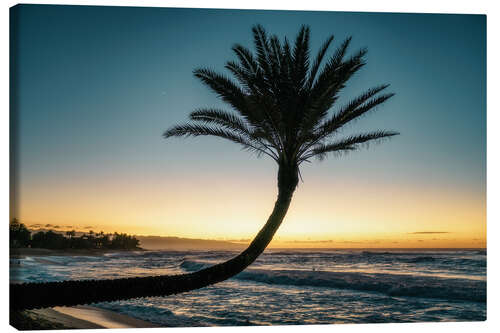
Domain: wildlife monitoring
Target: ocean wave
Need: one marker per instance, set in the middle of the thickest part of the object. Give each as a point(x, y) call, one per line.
point(390, 284)
point(421, 259)
point(149, 312)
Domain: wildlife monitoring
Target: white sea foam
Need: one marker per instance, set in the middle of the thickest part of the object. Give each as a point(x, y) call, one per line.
point(390, 284)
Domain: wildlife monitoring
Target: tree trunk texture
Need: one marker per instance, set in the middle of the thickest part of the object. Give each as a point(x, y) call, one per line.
point(70, 293)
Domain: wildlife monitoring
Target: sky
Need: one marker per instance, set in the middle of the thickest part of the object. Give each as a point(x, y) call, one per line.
point(95, 88)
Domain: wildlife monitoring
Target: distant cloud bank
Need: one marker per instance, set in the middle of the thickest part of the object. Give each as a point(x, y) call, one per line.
point(428, 232)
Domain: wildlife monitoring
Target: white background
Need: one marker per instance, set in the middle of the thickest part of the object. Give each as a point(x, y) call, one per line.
point(421, 6)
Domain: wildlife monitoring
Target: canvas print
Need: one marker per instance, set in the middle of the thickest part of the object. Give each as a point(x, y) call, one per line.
point(182, 167)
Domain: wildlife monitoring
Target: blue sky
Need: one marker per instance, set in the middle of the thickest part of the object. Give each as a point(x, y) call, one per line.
point(99, 85)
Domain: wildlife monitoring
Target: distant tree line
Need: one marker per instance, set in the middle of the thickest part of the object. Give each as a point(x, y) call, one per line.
point(20, 236)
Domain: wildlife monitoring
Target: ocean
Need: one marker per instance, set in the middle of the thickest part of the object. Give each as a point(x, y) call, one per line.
point(291, 286)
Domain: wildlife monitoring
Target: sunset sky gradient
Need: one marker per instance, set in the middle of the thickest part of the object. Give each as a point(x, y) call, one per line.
point(97, 86)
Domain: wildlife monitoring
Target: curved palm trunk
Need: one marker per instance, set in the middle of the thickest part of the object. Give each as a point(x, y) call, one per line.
point(68, 293)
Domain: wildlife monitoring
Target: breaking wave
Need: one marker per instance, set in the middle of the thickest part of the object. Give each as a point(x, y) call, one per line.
point(389, 284)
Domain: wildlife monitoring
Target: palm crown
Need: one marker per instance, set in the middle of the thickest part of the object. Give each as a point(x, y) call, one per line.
point(282, 100)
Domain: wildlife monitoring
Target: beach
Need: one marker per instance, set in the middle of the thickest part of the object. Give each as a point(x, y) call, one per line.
point(82, 317)
point(78, 317)
point(91, 317)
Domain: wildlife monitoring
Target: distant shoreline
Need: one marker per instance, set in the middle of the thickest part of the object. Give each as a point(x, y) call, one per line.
point(24, 252)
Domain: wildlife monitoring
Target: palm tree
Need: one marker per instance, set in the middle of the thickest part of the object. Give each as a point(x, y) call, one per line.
point(281, 104)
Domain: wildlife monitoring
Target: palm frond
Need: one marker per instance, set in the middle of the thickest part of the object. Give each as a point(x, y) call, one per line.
point(325, 91)
point(234, 95)
point(188, 130)
point(332, 64)
point(246, 58)
point(286, 64)
point(318, 61)
point(350, 112)
point(263, 50)
point(354, 103)
point(350, 143)
point(301, 57)
point(275, 59)
point(276, 50)
point(354, 109)
point(244, 77)
point(223, 118)
point(223, 86)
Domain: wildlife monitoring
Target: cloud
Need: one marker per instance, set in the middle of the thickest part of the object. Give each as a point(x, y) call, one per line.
point(334, 241)
point(429, 232)
point(350, 242)
point(88, 227)
point(242, 240)
point(312, 241)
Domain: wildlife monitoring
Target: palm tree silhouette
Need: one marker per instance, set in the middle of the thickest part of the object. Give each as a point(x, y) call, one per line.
point(281, 102)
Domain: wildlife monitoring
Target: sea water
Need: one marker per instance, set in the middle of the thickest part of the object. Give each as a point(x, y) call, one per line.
point(291, 286)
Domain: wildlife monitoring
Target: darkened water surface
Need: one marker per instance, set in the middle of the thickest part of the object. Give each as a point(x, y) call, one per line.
point(293, 286)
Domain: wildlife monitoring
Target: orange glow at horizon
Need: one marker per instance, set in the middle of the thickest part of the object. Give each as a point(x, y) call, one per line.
point(323, 213)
